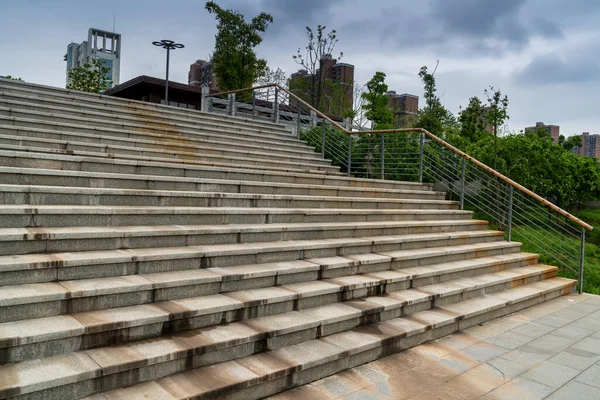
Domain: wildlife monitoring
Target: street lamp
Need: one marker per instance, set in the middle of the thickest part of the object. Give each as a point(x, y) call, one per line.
point(169, 45)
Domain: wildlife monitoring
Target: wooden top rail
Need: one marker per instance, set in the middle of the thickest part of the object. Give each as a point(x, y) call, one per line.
point(433, 137)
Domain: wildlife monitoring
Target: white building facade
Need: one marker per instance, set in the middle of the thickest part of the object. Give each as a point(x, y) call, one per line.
point(102, 45)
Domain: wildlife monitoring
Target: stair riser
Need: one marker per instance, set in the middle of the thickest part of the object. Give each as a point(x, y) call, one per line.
point(128, 108)
point(150, 118)
point(165, 151)
point(109, 164)
point(57, 272)
point(134, 182)
point(150, 141)
point(67, 305)
point(100, 336)
point(169, 199)
point(140, 371)
point(59, 157)
point(38, 243)
point(87, 123)
point(198, 136)
point(34, 219)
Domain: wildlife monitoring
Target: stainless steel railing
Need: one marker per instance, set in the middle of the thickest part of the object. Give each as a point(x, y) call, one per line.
point(418, 155)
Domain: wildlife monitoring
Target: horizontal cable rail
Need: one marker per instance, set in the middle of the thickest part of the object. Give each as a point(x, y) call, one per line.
point(414, 154)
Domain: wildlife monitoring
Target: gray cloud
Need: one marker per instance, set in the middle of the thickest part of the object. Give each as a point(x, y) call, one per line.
point(551, 69)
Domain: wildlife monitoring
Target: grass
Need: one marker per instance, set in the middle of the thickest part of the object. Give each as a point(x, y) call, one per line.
point(567, 260)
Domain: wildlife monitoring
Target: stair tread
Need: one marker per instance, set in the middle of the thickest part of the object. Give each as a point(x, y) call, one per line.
point(77, 232)
point(207, 181)
point(162, 311)
point(37, 375)
point(35, 261)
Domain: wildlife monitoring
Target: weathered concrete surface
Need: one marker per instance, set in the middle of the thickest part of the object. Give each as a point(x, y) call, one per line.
point(549, 351)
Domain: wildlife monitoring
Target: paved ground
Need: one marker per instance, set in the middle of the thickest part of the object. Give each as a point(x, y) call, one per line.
point(548, 351)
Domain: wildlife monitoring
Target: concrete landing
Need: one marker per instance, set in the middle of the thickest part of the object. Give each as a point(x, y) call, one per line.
point(549, 351)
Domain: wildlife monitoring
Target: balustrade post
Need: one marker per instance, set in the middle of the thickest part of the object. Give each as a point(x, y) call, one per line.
point(204, 99)
point(581, 260)
point(421, 144)
point(462, 184)
point(324, 127)
point(276, 106)
point(253, 104)
point(231, 105)
point(510, 211)
point(299, 117)
point(349, 154)
point(313, 118)
point(382, 156)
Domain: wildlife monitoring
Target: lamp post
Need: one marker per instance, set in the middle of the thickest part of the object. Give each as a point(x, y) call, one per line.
point(169, 45)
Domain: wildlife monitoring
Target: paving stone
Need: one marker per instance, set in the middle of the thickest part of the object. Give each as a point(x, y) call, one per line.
point(590, 376)
point(306, 392)
point(576, 391)
point(527, 355)
point(554, 320)
point(509, 340)
point(589, 344)
point(533, 330)
point(483, 352)
point(575, 358)
point(522, 389)
point(552, 343)
point(573, 332)
point(508, 368)
point(551, 374)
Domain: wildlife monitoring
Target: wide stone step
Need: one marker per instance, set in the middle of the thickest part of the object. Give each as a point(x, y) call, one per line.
point(81, 179)
point(15, 241)
point(88, 119)
point(156, 141)
point(37, 268)
point(287, 338)
point(184, 168)
point(201, 134)
point(34, 157)
point(166, 151)
point(28, 216)
point(61, 195)
point(38, 94)
point(298, 165)
point(227, 295)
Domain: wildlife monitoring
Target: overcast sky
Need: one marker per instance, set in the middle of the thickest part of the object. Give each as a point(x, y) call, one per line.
point(544, 54)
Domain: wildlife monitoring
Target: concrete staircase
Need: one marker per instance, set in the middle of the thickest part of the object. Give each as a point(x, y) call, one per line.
point(154, 252)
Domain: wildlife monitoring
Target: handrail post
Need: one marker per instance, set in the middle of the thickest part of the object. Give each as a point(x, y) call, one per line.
point(581, 260)
point(421, 144)
point(324, 127)
point(349, 154)
point(299, 116)
point(510, 211)
point(204, 98)
point(276, 106)
point(231, 105)
point(382, 156)
point(253, 104)
point(462, 184)
point(313, 118)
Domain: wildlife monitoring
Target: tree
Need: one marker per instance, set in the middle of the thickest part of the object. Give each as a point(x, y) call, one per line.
point(472, 120)
point(314, 60)
point(376, 102)
point(570, 143)
point(14, 79)
point(496, 114)
point(269, 76)
point(434, 117)
point(236, 65)
point(90, 78)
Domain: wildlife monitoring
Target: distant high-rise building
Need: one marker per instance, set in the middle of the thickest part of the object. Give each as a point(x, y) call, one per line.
point(553, 130)
point(405, 108)
point(102, 45)
point(590, 145)
point(202, 74)
point(338, 85)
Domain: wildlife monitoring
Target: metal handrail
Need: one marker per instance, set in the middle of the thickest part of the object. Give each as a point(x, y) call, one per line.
point(429, 135)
